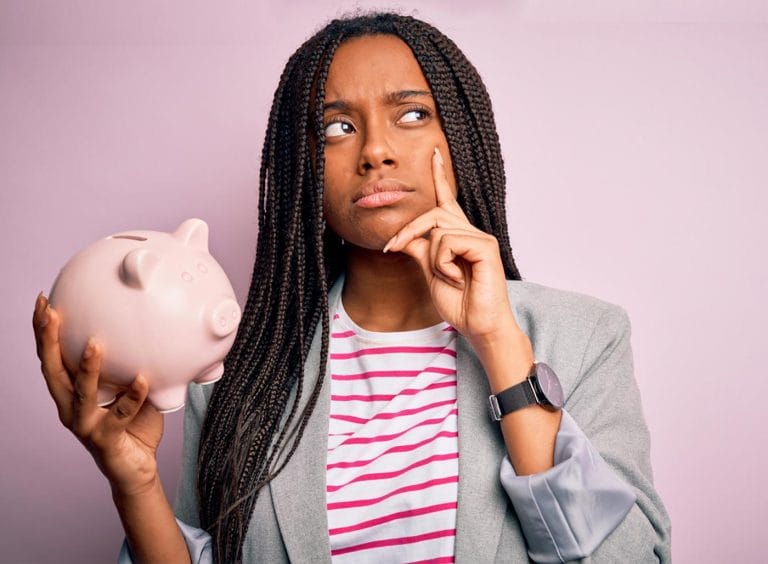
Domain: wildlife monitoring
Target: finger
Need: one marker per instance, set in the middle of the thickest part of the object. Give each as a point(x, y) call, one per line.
point(419, 250)
point(442, 258)
point(57, 378)
point(39, 319)
point(469, 247)
point(123, 411)
point(426, 222)
point(86, 387)
point(444, 196)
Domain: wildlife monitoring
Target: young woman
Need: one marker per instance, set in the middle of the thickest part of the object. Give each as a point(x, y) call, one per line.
point(385, 308)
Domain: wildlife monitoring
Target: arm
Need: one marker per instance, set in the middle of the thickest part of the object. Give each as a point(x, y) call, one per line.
point(464, 272)
point(584, 505)
point(122, 439)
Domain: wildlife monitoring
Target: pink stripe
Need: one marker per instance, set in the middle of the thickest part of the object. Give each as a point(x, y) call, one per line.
point(336, 316)
point(440, 560)
point(405, 489)
point(393, 350)
point(399, 448)
point(450, 329)
point(394, 541)
point(353, 419)
point(343, 334)
point(375, 374)
point(393, 517)
point(394, 473)
point(384, 438)
point(393, 373)
point(387, 397)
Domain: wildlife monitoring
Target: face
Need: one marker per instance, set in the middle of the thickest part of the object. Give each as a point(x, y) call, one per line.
point(381, 129)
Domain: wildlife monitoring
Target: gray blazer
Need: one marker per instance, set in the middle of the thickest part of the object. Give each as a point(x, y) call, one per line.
point(586, 342)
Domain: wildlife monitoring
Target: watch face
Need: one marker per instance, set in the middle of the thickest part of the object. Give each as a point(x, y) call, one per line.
point(549, 385)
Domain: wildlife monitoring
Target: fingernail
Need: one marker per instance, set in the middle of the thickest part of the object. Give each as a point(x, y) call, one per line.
point(389, 244)
point(90, 348)
point(39, 301)
point(439, 157)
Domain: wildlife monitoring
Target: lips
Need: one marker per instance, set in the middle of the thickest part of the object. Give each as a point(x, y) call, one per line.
point(378, 193)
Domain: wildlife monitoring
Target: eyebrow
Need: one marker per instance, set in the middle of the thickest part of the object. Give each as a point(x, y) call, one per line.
point(390, 98)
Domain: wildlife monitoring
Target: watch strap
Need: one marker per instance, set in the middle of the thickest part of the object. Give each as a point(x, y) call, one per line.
point(513, 398)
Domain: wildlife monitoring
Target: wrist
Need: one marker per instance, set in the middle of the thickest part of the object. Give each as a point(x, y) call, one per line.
point(123, 493)
point(507, 357)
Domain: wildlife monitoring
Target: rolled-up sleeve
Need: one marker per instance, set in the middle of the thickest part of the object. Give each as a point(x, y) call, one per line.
point(568, 510)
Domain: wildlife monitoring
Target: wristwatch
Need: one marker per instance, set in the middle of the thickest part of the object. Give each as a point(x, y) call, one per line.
point(542, 387)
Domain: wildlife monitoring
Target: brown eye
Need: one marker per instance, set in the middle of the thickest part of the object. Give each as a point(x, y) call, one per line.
point(338, 128)
point(414, 115)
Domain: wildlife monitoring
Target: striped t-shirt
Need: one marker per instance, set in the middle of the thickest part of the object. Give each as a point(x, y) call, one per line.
point(392, 465)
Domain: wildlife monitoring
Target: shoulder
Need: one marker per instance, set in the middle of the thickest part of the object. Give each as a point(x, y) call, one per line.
point(544, 306)
point(569, 330)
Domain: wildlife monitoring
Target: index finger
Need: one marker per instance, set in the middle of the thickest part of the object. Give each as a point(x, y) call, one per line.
point(444, 195)
point(46, 324)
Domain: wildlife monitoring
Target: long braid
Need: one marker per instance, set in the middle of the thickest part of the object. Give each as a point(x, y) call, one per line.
point(253, 423)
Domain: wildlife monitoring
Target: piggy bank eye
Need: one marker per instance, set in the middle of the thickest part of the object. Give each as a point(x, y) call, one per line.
point(186, 276)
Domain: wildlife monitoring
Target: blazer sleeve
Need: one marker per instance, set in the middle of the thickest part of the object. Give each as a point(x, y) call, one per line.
point(598, 502)
point(568, 510)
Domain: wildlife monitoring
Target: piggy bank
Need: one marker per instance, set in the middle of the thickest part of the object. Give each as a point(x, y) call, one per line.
point(158, 304)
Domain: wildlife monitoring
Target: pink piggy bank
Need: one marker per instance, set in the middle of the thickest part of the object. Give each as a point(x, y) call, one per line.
point(158, 303)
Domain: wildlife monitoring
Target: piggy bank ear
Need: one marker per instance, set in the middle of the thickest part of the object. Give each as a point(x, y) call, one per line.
point(138, 268)
point(193, 233)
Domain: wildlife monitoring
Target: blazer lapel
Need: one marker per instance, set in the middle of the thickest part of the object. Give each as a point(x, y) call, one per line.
point(298, 492)
point(482, 501)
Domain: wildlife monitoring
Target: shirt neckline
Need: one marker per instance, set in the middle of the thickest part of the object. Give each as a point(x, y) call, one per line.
point(426, 333)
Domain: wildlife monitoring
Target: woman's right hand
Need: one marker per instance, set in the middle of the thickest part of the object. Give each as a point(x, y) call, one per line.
point(122, 437)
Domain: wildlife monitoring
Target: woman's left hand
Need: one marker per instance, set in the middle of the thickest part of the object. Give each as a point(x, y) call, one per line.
point(462, 266)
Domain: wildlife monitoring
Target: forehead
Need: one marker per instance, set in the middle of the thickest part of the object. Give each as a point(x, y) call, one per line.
point(373, 65)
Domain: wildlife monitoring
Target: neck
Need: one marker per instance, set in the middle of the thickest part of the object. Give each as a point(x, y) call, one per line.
point(386, 292)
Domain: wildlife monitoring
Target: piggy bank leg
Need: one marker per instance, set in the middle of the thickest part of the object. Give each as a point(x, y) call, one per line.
point(211, 375)
point(168, 400)
point(106, 394)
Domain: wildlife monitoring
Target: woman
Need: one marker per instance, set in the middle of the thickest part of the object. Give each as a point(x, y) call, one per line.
point(385, 307)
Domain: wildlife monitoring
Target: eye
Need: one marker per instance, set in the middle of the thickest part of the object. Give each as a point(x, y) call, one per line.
point(416, 114)
point(338, 128)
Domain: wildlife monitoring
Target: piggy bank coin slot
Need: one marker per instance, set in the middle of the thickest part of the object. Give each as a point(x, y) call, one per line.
point(131, 237)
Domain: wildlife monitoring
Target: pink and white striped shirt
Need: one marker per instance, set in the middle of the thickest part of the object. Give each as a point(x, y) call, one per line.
point(392, 465)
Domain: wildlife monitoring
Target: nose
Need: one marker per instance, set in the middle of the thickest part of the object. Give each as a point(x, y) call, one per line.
point(225, 317)
point(377, 151)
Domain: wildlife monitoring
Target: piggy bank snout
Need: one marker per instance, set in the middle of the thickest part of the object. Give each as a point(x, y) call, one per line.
point(225, 317)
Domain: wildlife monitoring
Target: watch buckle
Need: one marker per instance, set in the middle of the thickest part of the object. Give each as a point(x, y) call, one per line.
point(495, 409)
point(533, 389)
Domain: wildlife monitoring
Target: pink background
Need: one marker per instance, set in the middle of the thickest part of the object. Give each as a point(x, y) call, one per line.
point(635, 142)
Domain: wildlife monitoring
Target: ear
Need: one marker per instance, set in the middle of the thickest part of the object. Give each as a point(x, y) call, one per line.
point(193, 233)
point(139, 267)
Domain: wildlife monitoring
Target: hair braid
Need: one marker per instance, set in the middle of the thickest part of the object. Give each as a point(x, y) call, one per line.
point(253, 423)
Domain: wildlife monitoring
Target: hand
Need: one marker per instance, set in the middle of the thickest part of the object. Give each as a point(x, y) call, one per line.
point(461, 264)
point(123, 437)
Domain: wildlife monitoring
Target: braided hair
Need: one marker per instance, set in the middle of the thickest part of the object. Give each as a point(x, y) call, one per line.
point(253, 423)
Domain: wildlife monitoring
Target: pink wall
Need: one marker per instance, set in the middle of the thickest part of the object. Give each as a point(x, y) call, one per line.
point(635, 141)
